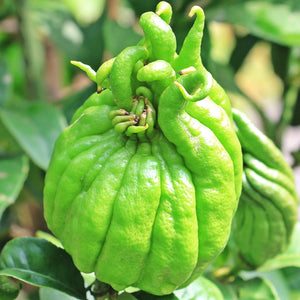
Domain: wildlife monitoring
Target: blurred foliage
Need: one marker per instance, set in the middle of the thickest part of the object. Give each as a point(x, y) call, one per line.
point(248, 46)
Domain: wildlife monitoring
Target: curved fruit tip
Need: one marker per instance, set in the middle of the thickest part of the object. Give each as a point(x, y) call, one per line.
point(86, 68)
point(164, 10)
point(197, 10)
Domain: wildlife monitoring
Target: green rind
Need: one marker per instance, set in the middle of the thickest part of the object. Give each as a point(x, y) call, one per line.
point(128, 239)
point(174, 249)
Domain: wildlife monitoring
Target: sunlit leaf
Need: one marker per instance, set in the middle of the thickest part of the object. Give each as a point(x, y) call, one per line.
point(36, 127)
point(51, 294)
point(39, 262)
point(271, 21)
point(13, 172)
point(201, 288)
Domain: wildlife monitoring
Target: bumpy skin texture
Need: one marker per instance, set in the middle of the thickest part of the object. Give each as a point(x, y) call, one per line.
point(267, 209)
point(143, 185)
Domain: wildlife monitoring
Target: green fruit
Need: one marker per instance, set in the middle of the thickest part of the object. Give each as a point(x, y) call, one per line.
point(267, 210)
point(143, 185)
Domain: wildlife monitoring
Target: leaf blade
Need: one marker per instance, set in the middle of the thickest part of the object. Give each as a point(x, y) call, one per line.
point(36, 127)
point(31, 260)
point(13, 173)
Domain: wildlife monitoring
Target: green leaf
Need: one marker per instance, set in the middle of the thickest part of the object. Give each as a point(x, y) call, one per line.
point(8, 145)
point(40, 263)
point(126, 296)
point(117, 37)
point(292, 276)
point(274, 279)
point(8, 290)
point(5, 82)
point(274, 22)
point(242, 48)
point(201, 288)
point(141, 295)
point(227, 291)
point(74, 101)
point(280, 60)
point(257, 289)
point(36, 127)
point(289, 258)
point(224, 75)
point(51, 294)
point(60, 27)
point(13, 172)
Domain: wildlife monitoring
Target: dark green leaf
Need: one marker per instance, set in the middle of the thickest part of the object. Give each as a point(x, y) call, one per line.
point(117, 37)
point(8, 145)
point(145, 5)
point(224, 75)
point(8, 290)
point(40, 263)
point(274, 22)
point(126, 296)
point(13, 172)
point(5, 82)
point(242, 48)
point(296, 113)
point(280, 60)
point(145, 296)
point(73, 102)
point(62, 29)
point(36, 127)
point(296, 156)
point(201, 288)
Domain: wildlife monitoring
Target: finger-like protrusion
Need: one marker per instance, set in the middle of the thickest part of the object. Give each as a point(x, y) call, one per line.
point(121, 127)
point(119, 119)
point(145, 92)
point(156, 70)
point(189, 54)
point(103, 73)
point(202, 92)
point(118, 112)
point(86, 68)
point(120, 78)
point(164, 10)
point(159, 37)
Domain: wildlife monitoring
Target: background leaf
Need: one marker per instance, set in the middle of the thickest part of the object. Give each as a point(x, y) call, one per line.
point(13, 172)
point(51, 294)
point(274, 22)
point(40, 263)
point(8, 290)
point(36, 127)
point(124, 35)
point(201, 288)
point(5, 82)
point(257, 289)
